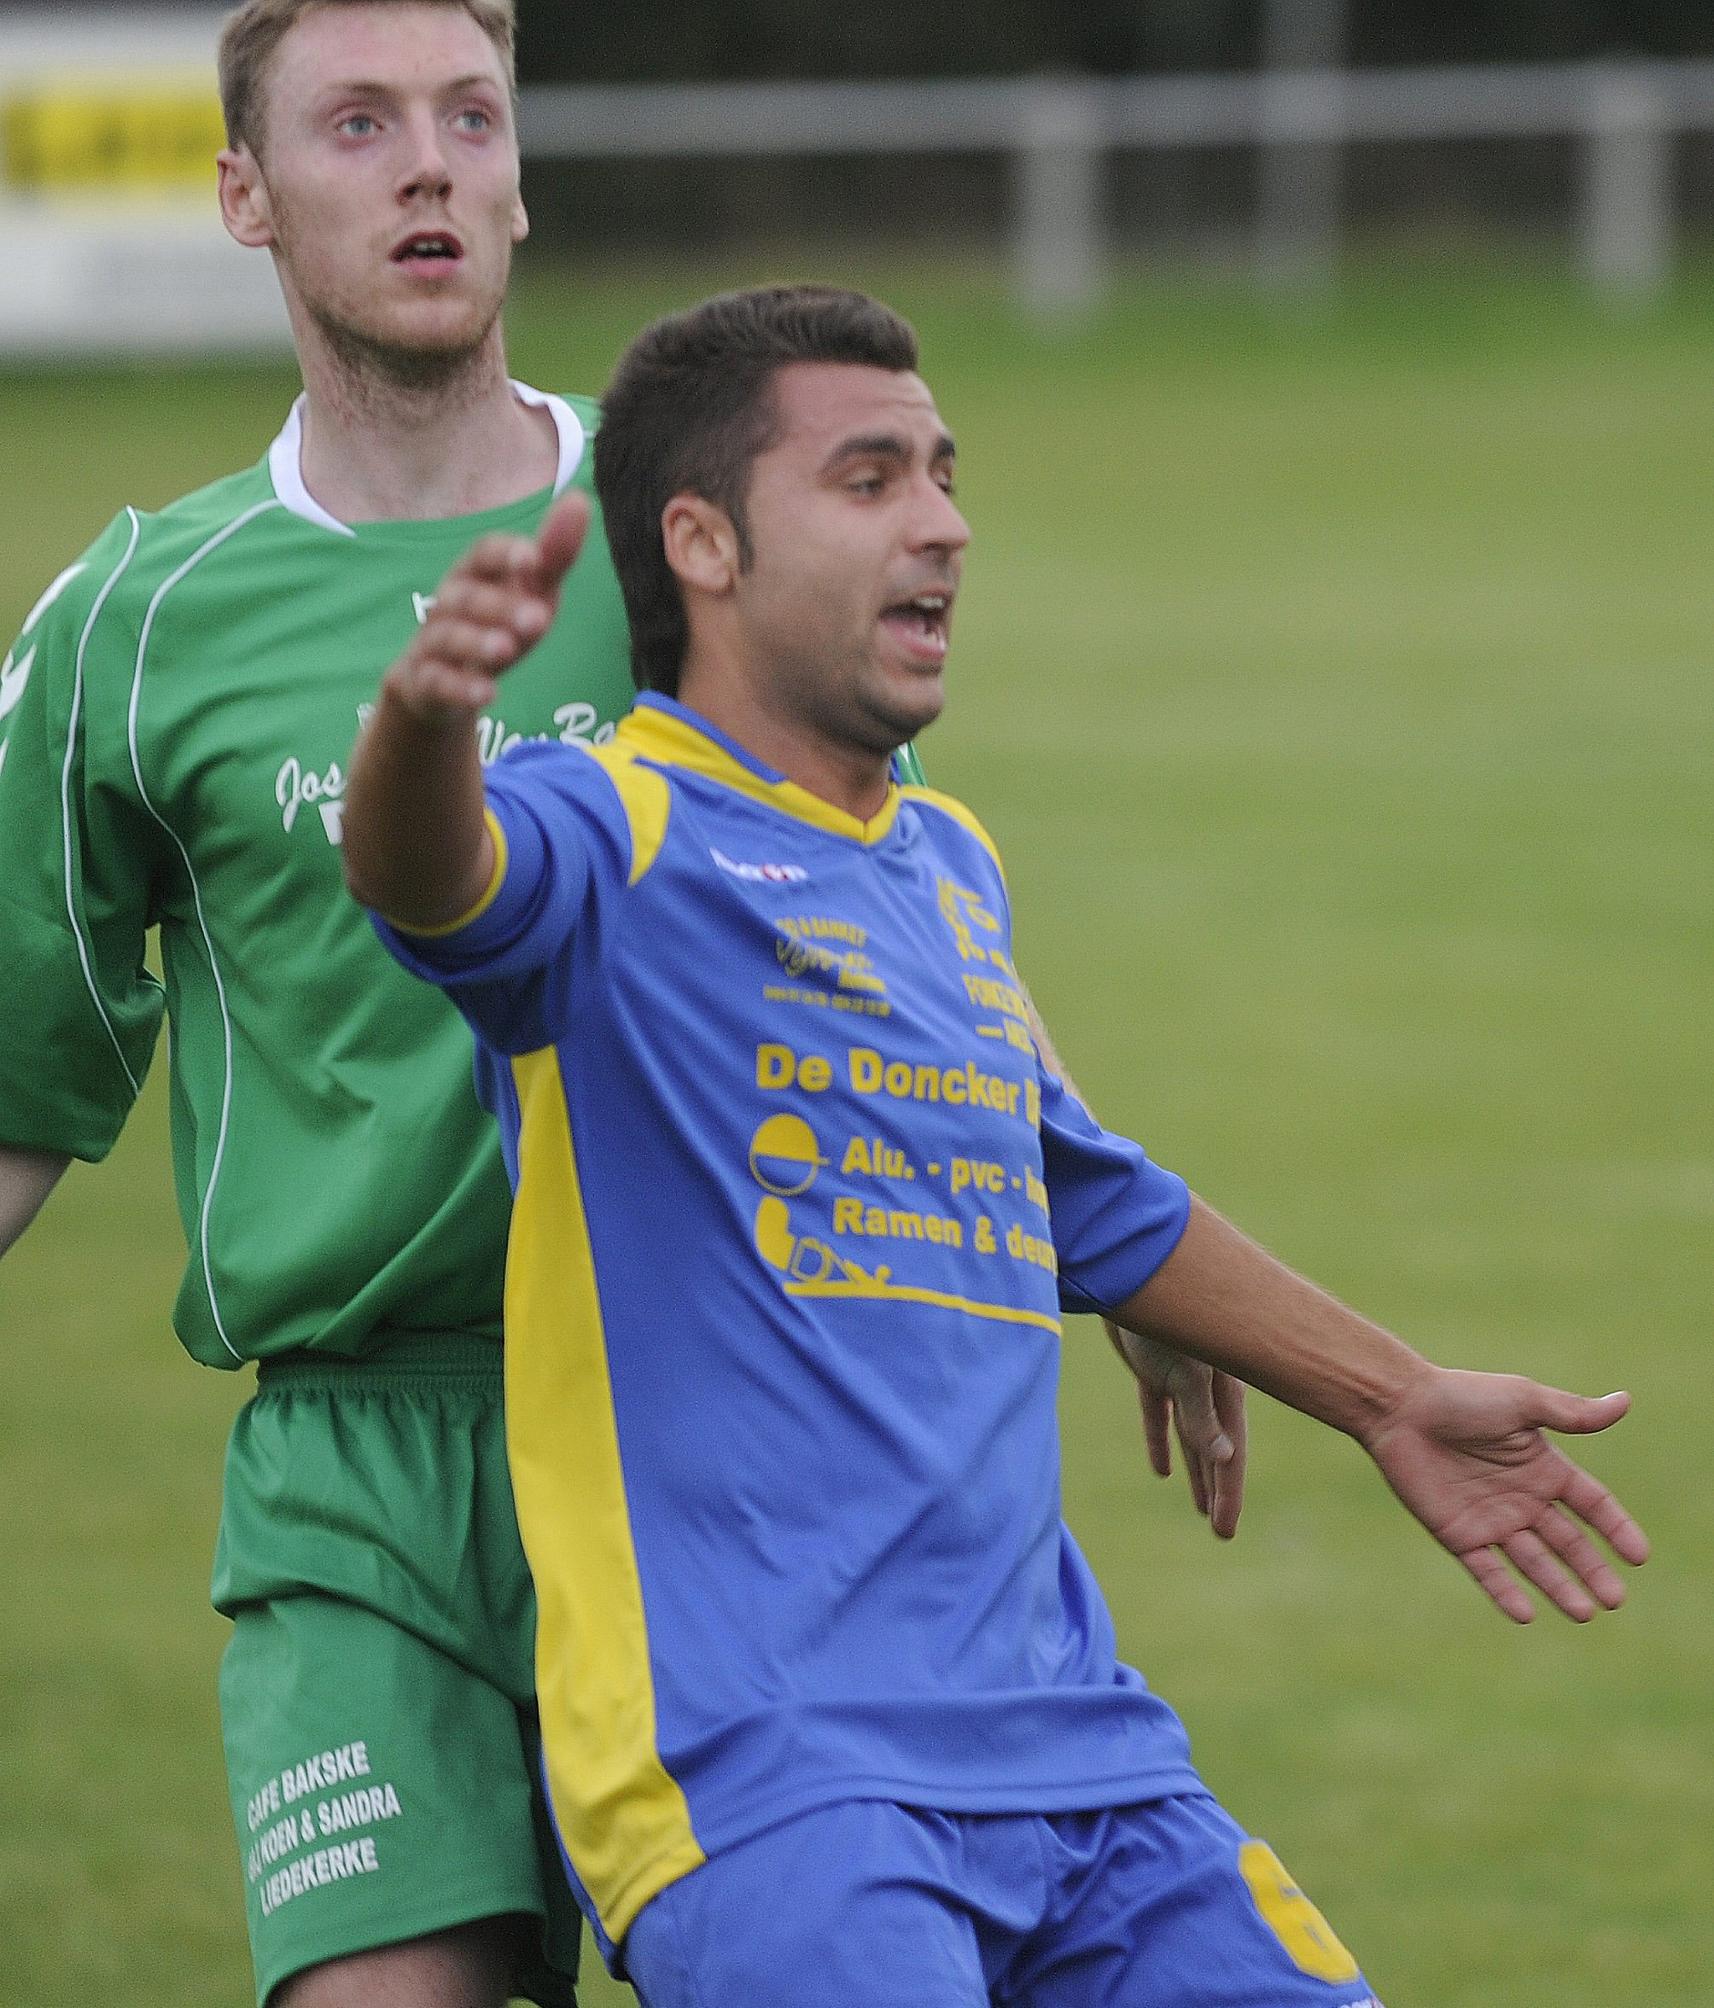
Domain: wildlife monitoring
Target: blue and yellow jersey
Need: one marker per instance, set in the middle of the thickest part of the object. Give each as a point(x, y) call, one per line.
point(798, 1209)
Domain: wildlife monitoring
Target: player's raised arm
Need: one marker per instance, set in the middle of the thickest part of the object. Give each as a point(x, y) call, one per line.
point(416, 844)
point(1464, 1451)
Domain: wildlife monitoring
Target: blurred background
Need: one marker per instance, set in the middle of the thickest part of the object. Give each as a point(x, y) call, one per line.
point(1334, 386)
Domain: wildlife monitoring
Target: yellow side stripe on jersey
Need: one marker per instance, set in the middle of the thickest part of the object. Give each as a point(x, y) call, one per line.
point(646, 799)
point(949, 805)
point(490, 892)
point(622, 1816)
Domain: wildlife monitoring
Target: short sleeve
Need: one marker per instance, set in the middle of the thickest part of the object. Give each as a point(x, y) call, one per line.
point(563, 843)
point(1117, 1215)
point(76, 854)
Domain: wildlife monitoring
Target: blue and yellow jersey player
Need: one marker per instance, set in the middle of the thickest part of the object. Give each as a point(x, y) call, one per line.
point(831, 1704)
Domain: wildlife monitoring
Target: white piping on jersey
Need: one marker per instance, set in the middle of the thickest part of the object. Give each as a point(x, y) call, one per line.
point(83, 954)
point(286, 469)
point(196, 557)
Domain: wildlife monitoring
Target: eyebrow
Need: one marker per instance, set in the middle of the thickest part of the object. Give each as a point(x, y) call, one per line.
point(376, 87)
point(888, 446)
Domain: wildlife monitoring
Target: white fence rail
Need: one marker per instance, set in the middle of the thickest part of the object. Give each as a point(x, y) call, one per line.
point(1059, 132)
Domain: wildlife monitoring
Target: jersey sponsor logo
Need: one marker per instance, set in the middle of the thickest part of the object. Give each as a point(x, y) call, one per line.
point(297, 787)
point(819, 949)
point(964, 912)
point(300, 785)
point(828, 961)
point(768, 874)
point(578, 724)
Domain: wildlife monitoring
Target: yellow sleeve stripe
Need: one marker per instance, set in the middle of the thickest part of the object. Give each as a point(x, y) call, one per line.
point(950, 806)
point(647, 801)
point(490, 893)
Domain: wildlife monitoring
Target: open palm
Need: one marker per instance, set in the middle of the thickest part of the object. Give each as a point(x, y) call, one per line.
point(1465, 1452)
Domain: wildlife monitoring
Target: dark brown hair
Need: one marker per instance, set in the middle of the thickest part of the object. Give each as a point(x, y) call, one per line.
point(689, 408)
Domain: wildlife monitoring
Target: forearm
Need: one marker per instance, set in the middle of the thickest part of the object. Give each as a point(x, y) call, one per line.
point(1223, 1300)
point(416, 843)
point(26, 1179)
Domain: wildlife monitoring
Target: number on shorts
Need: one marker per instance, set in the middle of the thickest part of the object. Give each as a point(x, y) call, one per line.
point(1292, 1918)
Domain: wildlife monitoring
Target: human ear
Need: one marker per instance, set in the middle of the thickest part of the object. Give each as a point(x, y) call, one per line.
point(244, 205)
point(701, 544)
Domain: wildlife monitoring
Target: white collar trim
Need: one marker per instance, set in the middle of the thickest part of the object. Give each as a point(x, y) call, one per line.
point(285, 456)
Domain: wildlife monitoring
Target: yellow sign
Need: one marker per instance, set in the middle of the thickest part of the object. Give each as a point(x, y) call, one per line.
point(81, 139)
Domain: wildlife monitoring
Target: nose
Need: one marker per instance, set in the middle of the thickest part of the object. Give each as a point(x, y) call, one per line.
point(426, 172)
point(940, 524)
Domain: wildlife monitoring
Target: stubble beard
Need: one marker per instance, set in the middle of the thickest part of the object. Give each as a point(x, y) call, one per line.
point(865, 715)
point(372, 367)
point(370, 363)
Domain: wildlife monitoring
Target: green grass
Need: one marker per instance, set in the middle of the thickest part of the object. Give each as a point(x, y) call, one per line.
point(1339, 690)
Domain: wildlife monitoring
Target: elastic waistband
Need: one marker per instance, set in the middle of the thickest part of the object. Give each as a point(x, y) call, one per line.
point(409, 1357)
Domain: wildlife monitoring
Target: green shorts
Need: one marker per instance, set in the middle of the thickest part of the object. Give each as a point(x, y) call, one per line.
point(377, 1695)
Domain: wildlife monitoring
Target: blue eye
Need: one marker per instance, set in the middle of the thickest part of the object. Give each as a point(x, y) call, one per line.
point(358, 126)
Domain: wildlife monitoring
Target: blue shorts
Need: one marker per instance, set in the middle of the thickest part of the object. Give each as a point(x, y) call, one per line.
point(869, 1904)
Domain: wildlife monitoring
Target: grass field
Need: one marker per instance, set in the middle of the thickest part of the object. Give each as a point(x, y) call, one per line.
point(1340, 691)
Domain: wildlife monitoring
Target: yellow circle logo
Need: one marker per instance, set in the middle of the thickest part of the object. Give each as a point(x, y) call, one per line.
point(784, 1155)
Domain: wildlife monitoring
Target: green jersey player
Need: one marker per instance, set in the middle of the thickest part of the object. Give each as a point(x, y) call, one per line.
point(177, 716)
point(180, 708)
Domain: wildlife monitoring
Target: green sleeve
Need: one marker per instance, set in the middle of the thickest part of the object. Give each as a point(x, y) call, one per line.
point(82, 1011)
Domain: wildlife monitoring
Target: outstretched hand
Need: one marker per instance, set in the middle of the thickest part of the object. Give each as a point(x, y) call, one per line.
point(492, 608)
point(1465, 1452)
point(1205, 1409)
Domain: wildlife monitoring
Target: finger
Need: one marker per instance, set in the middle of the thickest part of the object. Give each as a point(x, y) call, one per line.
point(1500, 1584)
point(1232, 1412)
point(1157, 1412)
point(466, 645)
point(1198, 1424)
point(495, 558)
point(1578, 1414)
point(514, 607)
point(1530, 1555)
point(490, 603)
point(1228, 1500)
point(436, 687)
point(1581, 1556)
point(1590, 1500)
point(561, 538)
point(1196, 1470)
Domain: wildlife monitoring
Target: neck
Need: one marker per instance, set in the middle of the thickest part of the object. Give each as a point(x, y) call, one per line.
point(850, 777)
point(412, 439)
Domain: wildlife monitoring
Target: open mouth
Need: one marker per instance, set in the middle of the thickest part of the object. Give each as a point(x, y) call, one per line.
point(428, 247)
point(923, 623)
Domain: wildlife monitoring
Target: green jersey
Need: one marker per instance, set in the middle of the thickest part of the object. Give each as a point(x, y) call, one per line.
point(178, 718)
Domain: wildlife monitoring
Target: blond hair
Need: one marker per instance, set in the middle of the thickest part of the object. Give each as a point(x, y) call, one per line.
point(256, 30)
